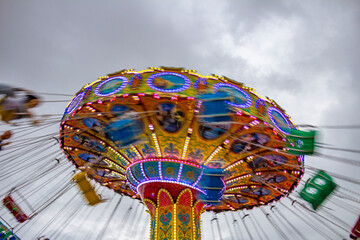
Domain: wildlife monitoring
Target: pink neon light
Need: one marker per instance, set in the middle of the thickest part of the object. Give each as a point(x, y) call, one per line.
point(164, 160)
point(168, 181)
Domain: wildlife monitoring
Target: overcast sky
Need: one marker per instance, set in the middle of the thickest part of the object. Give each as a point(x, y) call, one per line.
point(303, 54)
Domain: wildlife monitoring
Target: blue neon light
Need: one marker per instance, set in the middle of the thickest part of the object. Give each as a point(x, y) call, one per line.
point(184, 86)
point(248, 98)
point(270, 113)
point(75, 102)
point(124, 83)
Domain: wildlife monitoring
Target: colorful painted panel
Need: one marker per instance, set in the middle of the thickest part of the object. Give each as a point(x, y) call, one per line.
point(152, 170)
point(183, 222)
point(170, 170)
point(168, 82)
point(171, 151)
point(241, 99)
point(137, 172)
point(111, 86)
point(190, 174)
point(279, 120)
point(165, 223)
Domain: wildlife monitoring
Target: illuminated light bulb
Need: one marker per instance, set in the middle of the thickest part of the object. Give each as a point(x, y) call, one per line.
point(156, 144)
point(136, 151)
point(160, 170)
point(187, 140)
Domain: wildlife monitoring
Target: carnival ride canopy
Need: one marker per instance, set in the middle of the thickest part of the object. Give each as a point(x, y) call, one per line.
point(184, 121)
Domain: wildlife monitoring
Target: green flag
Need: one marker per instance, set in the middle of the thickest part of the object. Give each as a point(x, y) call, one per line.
point(300, 142)
point(318, 189)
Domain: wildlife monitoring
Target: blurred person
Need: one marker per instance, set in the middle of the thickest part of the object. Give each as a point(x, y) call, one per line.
point(10, 91)
point(13, 107)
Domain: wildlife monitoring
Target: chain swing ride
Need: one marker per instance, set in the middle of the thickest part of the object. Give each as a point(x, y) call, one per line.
point(184, 144)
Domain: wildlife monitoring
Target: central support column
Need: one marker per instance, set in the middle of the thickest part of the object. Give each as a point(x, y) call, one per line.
point(174, 211)
point(170, 189)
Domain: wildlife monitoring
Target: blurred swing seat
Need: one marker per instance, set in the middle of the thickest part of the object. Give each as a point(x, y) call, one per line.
point(215, 112)
point(124, 132)
point(87, 189)
point(317, 189)
point(355, 232)
point(15, 210)
point(301, 142)
point(214, 105)
point(213, 185)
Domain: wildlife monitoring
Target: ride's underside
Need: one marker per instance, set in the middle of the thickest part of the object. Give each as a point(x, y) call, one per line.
point(165, 138)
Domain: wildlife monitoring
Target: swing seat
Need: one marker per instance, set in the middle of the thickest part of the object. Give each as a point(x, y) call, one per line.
point(15, 210)
point(213, 185)
point(87, 189)
point(214, 104)
point(124, 132)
